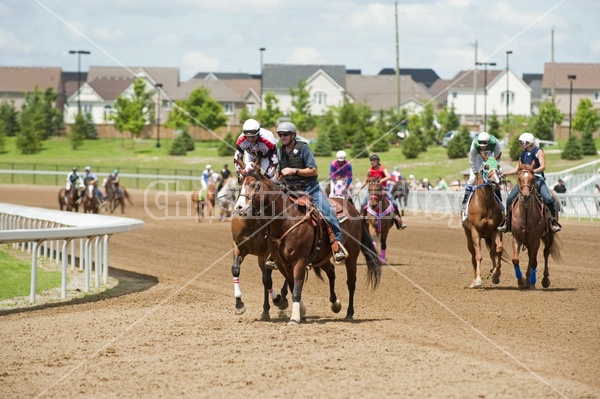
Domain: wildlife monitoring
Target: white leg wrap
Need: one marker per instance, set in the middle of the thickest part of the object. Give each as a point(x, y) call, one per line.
point(295, 312)
point(236, 287)
point(273, 294)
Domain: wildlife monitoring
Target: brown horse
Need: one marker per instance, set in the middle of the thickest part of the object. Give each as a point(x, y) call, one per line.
point(225, 200)
point(91, 202)
point(380, 216)
point(69, 200)
point(297, 238)
point(201, 199)
point(115, 197)
point(481, 219)
point(531, 225)
point(400, 194)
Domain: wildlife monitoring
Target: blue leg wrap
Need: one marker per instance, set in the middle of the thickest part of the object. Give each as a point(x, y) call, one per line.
point(518, 272)
point(532, 278)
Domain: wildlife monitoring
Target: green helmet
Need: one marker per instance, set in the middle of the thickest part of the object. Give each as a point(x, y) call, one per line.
point(116, 172)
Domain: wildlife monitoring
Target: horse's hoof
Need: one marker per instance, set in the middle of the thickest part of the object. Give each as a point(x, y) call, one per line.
point(496, 279)
point(282, 304)
point(293, 322)
point(336, 307)
point(532, 286)
point(265, 316)
point(239, 311)
point(522, 285)
point(476, 283)
point(545, 282)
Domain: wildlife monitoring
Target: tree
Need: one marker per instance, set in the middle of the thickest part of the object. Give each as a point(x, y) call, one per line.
point(227, 146)
point(586, 121)
point(411, 147)
point(460, 145)
point(494, 126)
point(301, 115)
point(429, 130)
point(359, 147)
point(33, 123)
point(328, 124)
point(542, 125)
point(9, 119)
point(133, 112)
point(323, 146)
point(179, 146)
point(91, 133)
point(79, 132)
point(270, 114)
point(572, 150)
point(449, 121)
point(199, 109)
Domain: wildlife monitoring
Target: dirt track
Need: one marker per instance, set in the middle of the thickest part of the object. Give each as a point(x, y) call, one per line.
point(422, 333)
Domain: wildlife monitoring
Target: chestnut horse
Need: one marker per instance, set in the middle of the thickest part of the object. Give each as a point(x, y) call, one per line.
point(481, 219)
point(69, 199)
point(201, 199)
point(530, 224)
point(115, 197)
point(297, 237)
point(380, 216)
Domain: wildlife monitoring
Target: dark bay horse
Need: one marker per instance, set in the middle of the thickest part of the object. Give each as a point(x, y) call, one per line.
point(202, 199)
point(115, 197)
point(483, 216)
point(380, 216)
point(91, 202)
point(297, 239)
point(226, 197)
point(530, 226)
point(400, 194)
point(69, 199)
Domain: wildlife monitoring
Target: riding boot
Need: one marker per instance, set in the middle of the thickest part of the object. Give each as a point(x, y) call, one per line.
point(340, 253)
point(554, 225)
point(505, 225)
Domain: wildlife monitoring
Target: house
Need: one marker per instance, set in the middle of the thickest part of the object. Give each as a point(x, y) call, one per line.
point(489, 96)
point(585, 81)
point(326, 84)
point(534, 80)
point(380, 92)
point(15, 82)
point(426, 76)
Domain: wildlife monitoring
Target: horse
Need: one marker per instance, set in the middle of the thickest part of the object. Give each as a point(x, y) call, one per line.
point(481, 218)
point(115, 197)
point(226, 198)
point(530, 224)
point(204, 198)
point(91, 202)
point(295, 239)
point(380, 216)
point(400, 194)
point(67, 198)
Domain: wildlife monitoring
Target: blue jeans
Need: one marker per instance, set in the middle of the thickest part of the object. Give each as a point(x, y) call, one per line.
point(542, 188)
point(320, 200)
point(99, 194)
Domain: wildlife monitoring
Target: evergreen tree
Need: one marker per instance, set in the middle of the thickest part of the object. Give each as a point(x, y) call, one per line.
point(227, 146)
point(586, 121)
point(330, 126)
point(323, 146)
point(9, 119)
point(91, 133)
point(30, 136)
point(429, 130)
point(542, 125)
point(301, 115)
point(514, 149)
point(494, 126)
point(460, 145)
point(79, 132)
point(572, 150)
point(359, 148)
point(411, 147)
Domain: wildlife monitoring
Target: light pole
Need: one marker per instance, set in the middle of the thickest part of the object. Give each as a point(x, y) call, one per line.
point(158, 88)
point(485, 65)
point(262, 49)
point(79, 52)
point(507, 92)
point(571, 79)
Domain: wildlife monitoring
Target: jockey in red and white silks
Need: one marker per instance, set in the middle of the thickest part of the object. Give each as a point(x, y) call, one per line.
point(259, 145)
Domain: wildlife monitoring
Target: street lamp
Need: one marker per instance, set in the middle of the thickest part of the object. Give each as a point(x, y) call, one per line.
point(571, 79)
point(262, 49)
point(79, 52)
point(507, 92)
point(485, 65)
point(158, 88)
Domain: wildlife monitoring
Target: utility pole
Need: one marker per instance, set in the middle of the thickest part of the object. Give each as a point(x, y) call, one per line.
point(485, 65)
point(79, 52)
point(262, 50)
point(158, 89)
point(475, 86)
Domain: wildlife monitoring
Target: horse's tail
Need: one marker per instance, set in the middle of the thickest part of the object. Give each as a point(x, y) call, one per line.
point(368, 250)
point(555, 249)
point(126, 194)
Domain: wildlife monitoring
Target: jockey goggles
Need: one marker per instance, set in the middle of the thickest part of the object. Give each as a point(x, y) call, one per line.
point(251, 133)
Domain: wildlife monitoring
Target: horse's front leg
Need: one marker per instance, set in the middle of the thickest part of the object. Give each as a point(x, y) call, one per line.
point(240, 308)
point(476, 257)
point(496, 255)
point(383, 240)
point(336, 306)
point(532, 251)
point(547, 247)
point(515, 261)
point(298, 308)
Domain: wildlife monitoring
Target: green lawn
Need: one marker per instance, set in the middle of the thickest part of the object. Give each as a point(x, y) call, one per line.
point(15, 277)
point(142, 156)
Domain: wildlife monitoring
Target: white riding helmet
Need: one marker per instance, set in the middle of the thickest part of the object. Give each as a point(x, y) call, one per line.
point(208, 167)
point(527, 138)
point(341, 155)
point(251, 127)
point(483, 138)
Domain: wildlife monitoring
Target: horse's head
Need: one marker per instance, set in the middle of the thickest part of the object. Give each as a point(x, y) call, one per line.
point(490, 172)
point(375, 190)
point(526, 182)
point(251, 191)
point(89, 191)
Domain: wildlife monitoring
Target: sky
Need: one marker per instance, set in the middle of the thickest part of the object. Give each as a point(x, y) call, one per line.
point(226, 35)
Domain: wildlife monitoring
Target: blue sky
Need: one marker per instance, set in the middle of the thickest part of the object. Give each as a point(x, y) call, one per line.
point(225, 35)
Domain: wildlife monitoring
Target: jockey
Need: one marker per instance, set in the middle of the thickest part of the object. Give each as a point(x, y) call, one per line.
point(378, 171)
point(115, 180)
point(206, 177)
point(395, 178)
point(340, 169)
point(534, 156)
point(260, 146)
point(74, 179)
point(91, 178)
point(482, 147)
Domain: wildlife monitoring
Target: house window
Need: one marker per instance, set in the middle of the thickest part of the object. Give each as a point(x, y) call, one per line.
point(454, 94)
point(107, 112)
point(320, 98)
point(511, 97)
point(229, 108)
point(87, 109)
point(597, 96)
point(251, 107)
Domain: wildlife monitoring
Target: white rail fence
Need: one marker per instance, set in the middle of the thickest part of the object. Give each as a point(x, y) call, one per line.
point(50, 233)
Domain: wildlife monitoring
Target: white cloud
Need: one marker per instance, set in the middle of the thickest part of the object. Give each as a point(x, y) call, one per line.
point(192, 63)
point(9, 41)
point(167, 40)
point(306, 56)
point(107, 34)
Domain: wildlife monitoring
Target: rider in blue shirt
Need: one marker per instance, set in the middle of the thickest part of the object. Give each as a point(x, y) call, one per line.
point(535, 156)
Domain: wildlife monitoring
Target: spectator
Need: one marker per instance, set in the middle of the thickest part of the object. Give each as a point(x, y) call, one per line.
point(412, 182)
point(560, 188)
point(441, 184)
point(425, 185)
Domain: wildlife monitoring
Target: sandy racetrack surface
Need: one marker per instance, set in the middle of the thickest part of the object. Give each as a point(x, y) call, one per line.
point(422, 333)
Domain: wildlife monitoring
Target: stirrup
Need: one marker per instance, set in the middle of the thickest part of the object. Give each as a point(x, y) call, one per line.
point(271, 265)
point(555, 226)
point(503, 227)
